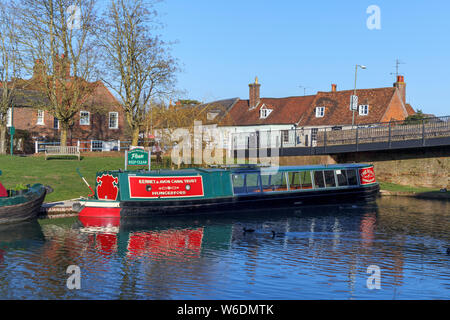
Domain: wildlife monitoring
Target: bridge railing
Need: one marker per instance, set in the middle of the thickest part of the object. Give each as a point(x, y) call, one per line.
point(420, 131)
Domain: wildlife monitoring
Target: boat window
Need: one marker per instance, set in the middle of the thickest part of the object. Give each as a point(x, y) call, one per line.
point(341, 178)
point(305, 177)
point(329, 178)
point(352, 178)
point(252, 182)
point(274, 182)
point(294, 180)
point(319, 181)
point(239, 183)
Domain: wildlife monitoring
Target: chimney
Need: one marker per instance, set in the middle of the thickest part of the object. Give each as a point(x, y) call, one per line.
point(401, 86)
point(333, 87)
point(62, 67)
point(38, 69)
point(254, 93)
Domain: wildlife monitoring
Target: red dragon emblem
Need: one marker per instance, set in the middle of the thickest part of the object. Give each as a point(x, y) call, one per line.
point(367, 175)
point(107, 187)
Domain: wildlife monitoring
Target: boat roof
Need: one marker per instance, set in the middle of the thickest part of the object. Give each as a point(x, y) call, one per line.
point(251, 168)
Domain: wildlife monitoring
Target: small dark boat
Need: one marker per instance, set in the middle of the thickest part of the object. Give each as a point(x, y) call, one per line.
point(192, 191)
point(21, 205)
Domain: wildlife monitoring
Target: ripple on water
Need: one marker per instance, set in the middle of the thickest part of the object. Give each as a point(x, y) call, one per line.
point(315, 254)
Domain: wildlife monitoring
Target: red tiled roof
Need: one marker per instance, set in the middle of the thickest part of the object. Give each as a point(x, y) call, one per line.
point(337, 107)
point(284, 111)
point(409, 109)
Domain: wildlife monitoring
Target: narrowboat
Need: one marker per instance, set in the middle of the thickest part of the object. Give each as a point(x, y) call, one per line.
point(217, 190)
point(16, 206)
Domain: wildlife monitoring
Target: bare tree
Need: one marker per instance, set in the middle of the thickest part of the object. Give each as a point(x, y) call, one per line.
point(9, 67)
point(137, 64)
point(56, 37)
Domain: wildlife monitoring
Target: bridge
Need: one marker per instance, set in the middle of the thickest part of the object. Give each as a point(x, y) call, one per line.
point(397, 135)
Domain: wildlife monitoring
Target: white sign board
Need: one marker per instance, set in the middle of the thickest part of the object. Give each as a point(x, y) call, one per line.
point(353, 102)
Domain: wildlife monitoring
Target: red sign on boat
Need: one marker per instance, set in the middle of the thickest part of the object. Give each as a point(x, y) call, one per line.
point(367, 175)
point(165, 187)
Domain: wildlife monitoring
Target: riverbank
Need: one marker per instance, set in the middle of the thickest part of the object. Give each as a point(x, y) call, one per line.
point(61, 175)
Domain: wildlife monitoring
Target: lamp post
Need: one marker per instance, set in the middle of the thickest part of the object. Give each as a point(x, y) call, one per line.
point(354, 92)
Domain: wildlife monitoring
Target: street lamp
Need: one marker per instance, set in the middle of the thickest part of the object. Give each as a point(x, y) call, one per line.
point(354, 92)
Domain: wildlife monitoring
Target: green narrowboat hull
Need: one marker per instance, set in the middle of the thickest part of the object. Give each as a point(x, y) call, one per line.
point(24, 206)
point(198, 190)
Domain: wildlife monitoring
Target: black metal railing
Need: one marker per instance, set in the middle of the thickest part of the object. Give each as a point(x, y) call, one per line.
point(347, 138)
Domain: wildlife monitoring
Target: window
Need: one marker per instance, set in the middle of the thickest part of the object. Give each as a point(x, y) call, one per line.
point(84, 118)
point(55, 123)
point(285, 135)
point(212, 115)
point(319, 181)
point(300, 180)
point(264, 112)
point(329, 178)
point(363, 110)
point(113, 120)
point(40, 117)
point(9, 118)
point(320, 112)
point(246, 183)
point(352, 178)
point(274, 182)
point(341, 178)
point(252, 182)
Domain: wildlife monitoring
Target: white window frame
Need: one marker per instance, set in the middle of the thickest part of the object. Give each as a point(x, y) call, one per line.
point(40, 118)
point(88, 118)
point(363, 109)
point(9, 117)
point(117, 120)
point(264, 112)
point(320, 112)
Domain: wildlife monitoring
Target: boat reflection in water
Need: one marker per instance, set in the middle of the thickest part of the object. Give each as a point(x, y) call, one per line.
point(187, 236)
point(17, 236)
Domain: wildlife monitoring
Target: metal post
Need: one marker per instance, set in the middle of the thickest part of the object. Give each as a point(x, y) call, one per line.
point(423, 132)
point(126, 158)
point(36, 147)
point(390, 135)
point(357, 138)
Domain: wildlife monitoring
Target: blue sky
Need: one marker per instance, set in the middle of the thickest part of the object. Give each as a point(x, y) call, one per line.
point(223, 45)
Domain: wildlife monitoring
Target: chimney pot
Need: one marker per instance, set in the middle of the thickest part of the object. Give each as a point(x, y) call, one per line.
point(401, 86)
point(333, 87)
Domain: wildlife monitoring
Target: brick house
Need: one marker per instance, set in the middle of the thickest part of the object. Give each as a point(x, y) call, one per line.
point(100, 118)
point(272, 120)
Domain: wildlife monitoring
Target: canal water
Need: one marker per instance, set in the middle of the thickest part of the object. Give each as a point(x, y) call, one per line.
point(392, 249)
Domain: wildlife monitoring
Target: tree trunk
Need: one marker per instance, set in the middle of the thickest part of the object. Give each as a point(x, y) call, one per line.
point(3, 139)
point(64, 129)
point(135, 137)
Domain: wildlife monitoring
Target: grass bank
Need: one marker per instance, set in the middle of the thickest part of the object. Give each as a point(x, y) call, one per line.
point(401, 188)
point(60, 174)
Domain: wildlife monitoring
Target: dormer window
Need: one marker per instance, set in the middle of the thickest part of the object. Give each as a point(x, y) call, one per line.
point(264, 112)
point(320, 112)
point(363, 109)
